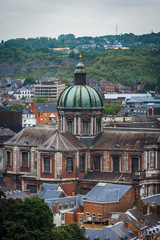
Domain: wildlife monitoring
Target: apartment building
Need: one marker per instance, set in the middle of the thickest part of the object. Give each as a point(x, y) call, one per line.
point(48, 89)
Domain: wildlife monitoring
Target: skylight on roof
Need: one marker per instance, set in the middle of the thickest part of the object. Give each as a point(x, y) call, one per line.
point(101, 184)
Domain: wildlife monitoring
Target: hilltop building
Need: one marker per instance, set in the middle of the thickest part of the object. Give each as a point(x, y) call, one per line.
point(79, 153)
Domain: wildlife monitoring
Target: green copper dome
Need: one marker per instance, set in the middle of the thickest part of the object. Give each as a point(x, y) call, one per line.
point(80, 97)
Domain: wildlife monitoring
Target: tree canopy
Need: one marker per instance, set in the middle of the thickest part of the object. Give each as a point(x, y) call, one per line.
point(15, 106)
point(32, 219)
point(112, 108)
point(29, 80)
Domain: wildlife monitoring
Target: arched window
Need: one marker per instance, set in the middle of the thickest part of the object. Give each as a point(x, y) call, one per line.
point(115, 159)
point(135, 163)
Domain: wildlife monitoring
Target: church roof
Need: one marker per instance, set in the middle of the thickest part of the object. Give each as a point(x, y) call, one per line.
point(123, 140)
point(62, 141)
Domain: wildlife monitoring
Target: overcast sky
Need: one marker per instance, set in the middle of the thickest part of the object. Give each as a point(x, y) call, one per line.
point(51, 18)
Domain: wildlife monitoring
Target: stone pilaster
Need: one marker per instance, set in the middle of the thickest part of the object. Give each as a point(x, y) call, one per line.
point(58, 165)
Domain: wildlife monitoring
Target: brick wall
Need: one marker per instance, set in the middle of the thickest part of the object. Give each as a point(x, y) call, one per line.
point(125, 203)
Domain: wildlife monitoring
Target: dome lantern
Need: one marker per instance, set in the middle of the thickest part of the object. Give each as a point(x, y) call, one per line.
point(80, 73)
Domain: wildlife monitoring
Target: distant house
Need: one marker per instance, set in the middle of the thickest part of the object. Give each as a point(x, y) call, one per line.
point(150, 220)
point(138, 226)
point(105, 198)
point(23, 93)
point(28, 119)
point(45, 112)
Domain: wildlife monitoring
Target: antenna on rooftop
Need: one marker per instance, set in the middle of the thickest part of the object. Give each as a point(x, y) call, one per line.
point(116, 29)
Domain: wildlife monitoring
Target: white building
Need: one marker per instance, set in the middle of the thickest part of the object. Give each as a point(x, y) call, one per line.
point(28, 119)
point(23, 93)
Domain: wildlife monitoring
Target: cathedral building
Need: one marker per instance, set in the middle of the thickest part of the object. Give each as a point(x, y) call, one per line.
point(80, 153)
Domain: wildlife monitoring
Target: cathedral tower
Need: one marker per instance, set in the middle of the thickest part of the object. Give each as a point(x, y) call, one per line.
point(80, 107)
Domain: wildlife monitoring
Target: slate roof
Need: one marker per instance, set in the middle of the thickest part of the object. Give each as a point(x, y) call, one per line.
point(110, 177)
point(135, 213)
point(123, 140)
point(76, 200)
point(52, 194)
point(126, 218)
point(107, 192)
point(31, 137)
point(6, 132)
point(47, 186)
point(152, 199)
point(16, 195)
point(62, 141)
point(49, 107)
point(151, 220)
point(112, 232)
point(27, 112)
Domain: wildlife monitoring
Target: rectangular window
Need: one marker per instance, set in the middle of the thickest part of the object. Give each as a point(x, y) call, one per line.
point(85, 127)
point(24, 159)
point(99, 217)
point(82, 163)
point(70, 126)
point(80, 220)
point(152, 160)
point(93, 217)
point(8, 158)
point(46, 164)
point(69, 164)
point(87, 216)
point(97, 163)
point(62, 216)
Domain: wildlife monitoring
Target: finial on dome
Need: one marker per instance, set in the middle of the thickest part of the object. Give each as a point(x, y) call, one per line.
point(80, 73)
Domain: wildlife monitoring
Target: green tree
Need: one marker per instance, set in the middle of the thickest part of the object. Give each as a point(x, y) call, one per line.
point(41, 100)
point(71, 232)
point(112, 108)
point(29, 80)
point(15, 106)
point(31, 219)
